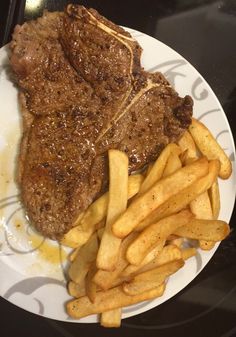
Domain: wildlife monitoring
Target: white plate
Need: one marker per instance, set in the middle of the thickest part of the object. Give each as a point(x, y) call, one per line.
point(37, 284)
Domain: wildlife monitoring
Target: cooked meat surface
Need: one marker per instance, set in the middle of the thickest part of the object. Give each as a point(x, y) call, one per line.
point(83, 91)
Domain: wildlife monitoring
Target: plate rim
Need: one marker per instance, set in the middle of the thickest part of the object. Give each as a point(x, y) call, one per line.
point(222, 112)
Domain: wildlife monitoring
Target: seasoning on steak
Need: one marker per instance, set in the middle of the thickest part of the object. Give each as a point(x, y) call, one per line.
point(83, 91)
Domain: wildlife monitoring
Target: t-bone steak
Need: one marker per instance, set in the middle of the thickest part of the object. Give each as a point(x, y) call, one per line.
point(83, 92)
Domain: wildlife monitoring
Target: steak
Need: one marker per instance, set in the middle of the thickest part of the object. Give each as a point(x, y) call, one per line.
point(83, 92)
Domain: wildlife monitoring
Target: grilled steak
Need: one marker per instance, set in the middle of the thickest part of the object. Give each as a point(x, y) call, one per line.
point(83, 92)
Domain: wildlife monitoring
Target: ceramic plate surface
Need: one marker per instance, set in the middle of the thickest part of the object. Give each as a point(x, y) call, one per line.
point(33, 269)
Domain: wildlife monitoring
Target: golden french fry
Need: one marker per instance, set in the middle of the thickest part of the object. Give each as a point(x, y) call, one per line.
point(104, 278)
point(77, 290)
point(209, 147)
point(100, 232)
point(209, 230)
point(98, 210)
point(108, 252)
point(201, 208)
point(206, 244)
point(132, 269)
point(180, 200)
point(108, 300)
point(152, 278)
point(90, 286)
point(158, 167)
point(214, 195)
point(73, 254)
point(111, 319)
point(86, 255)
point(172, 165)
point(154, 235)
point(148, 169)
point(169, 253)
point(188, 252)
point(140, 208)
point(93, 218)
point(175, 240)
point(79, 218)
point(187, 144)
point(76, 237)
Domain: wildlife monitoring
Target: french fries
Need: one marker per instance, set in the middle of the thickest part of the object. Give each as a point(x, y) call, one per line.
point(88, 222)
point(158, 167)
point(108, 300)
point(90, 286)
point(108, 252)
point(151, 279)
point(157, 195)
point(214, 195)
point(77, 290)
point(128, 258)
point(86, 255)
point(104, 278)
point(181, 200)
point(172, 165)
point(155, 235)
point(212, 230)
point(98, 210)
point(188, 252)
point(209, 147)
point(111, 319)
point(187, 145)
point(169, 253)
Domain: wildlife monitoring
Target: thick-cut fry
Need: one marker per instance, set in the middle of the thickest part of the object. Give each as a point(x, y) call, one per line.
point(155, 234)
point(206, 244)
point(212, 230)
point(209, 147)
point(186, 143)
point(201, 208)
point(111, 319)
point(140, 208)
point(98, 210)
point(152, 278)
point(175, 240)
point(104, 278)
point(172, 165)
point(86, 255)
point(169, 253)
point(154, 254)
point(108, 300)
point(108, 252)
point(76, 237)
point(90, 286)
point(214, 195)
point(73, 254)
point(100, 232)
point(94, 215)
point(157, 169)
point(181, 200)
point(77, 290)
point(188, 252)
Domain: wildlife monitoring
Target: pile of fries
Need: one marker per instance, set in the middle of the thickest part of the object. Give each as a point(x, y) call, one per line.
point(131, 239)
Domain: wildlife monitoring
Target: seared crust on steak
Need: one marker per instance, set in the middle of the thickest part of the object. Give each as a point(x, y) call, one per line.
point(83, 92)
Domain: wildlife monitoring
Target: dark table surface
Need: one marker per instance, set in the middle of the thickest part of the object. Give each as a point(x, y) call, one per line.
point(204, 33)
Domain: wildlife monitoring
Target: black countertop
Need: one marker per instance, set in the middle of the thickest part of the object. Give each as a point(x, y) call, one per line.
point(204, 33)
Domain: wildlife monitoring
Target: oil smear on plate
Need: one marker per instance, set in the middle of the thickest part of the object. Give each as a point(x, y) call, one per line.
point(22, 248)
